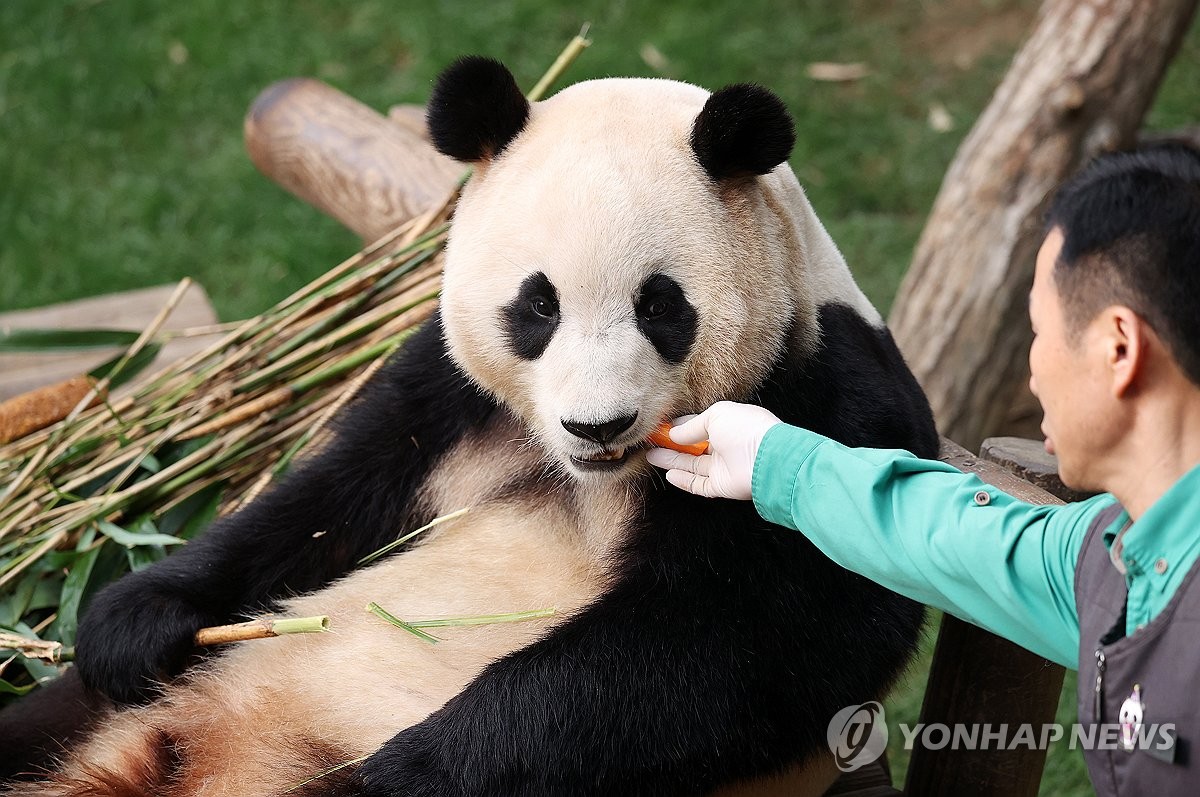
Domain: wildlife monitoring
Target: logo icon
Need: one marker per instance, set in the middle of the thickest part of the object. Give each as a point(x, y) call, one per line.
point(857, 735)
point(1131, 719)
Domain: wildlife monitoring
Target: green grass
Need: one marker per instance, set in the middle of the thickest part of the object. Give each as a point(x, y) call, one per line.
point(122, 166)
point(120, 122)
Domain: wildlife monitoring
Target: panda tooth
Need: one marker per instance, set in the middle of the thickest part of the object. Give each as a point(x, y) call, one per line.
point(607, 456)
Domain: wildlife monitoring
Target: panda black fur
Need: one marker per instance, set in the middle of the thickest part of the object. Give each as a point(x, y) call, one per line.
point(696, 645)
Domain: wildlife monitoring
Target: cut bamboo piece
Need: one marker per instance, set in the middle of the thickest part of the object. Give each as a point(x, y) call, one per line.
point(262, 628)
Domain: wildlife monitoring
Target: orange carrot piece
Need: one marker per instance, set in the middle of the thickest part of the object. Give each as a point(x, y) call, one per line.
point(661, 437)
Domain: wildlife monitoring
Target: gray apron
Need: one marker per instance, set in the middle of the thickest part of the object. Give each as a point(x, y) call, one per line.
point(1130, 687)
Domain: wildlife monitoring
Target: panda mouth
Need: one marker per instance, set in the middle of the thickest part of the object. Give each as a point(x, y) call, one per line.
point(603, 460)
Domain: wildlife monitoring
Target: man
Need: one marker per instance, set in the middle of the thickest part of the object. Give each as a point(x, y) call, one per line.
point(1107, 585)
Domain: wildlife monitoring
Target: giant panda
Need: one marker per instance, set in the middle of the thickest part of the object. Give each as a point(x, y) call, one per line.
point(626, 251)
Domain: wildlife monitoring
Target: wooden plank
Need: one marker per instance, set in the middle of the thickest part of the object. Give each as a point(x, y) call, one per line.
point(132, 310)
point(1029, 460)
point(979, 678)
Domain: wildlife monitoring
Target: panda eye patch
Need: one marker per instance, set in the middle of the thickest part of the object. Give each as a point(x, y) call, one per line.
point(530, 319)
point(666, 317)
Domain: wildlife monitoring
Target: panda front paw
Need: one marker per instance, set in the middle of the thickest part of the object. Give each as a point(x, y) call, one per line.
point(133, 637)
point(411, 764)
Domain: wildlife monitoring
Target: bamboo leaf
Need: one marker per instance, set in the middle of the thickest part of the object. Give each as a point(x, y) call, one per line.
point(43, 340)
point(484, 619)
point(10, 689)
point(72, 595)
point(143, 556)
point(45, 594)
point(377, 610)
point(13, 608)
point(132, 539)
point(39, 670)
point(136, 364)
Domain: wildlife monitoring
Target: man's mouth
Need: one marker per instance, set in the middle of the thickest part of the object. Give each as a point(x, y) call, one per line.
point(1048, 444)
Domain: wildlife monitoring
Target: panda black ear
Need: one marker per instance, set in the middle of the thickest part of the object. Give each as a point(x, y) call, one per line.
point(475, 110)
point(743, 130)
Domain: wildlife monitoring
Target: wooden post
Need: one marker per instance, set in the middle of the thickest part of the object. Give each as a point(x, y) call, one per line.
point(1079, 86)
point(367, 171)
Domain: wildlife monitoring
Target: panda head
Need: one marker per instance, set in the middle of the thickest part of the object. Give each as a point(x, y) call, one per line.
point(619, 256)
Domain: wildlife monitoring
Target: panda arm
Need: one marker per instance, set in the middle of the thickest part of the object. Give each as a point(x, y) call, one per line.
point(346, 502)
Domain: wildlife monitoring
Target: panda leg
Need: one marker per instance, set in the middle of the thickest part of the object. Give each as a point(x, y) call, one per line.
point(38, 729)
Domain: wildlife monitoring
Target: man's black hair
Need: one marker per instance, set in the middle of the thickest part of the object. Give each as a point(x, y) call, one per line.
point(1131, 236)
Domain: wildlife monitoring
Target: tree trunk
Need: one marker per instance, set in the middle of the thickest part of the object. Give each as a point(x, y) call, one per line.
point(1079, 86)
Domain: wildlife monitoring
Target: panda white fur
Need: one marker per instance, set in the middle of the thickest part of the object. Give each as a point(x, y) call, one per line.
point(626, 251)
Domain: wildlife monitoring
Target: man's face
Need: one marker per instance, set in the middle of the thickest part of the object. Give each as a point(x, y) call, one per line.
point(1068, 378)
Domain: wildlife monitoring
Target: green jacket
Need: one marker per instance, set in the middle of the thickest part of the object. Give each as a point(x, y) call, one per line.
point(926, 530)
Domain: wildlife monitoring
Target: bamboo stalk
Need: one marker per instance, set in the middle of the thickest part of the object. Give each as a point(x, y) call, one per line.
point(311, 432)
point(391, 546)
point(91, 509)
point(576, 46)
point(262, 628)
point(31, 648)
point(366, 322)
point(325, 772)
point(264, 403)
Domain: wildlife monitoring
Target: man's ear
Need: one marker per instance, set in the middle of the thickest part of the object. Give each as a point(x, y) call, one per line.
point(1126, 338)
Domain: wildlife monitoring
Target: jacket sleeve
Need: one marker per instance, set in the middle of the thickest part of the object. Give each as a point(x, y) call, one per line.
point(928, 531)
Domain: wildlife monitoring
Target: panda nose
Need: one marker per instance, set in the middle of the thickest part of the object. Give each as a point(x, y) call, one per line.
point(600, 433)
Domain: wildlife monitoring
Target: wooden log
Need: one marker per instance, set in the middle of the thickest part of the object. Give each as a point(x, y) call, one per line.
point(980, 678)
point(411, 117)
point(368, 172)
point(1079, 86)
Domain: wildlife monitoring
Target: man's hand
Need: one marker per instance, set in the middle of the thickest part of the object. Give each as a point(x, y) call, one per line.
point(734, 433)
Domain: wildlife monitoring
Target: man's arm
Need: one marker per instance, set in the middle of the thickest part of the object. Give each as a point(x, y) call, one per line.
point(927, 531)
point(910, 524)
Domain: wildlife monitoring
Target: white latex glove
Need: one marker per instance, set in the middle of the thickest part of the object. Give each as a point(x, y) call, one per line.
point(734, 432)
